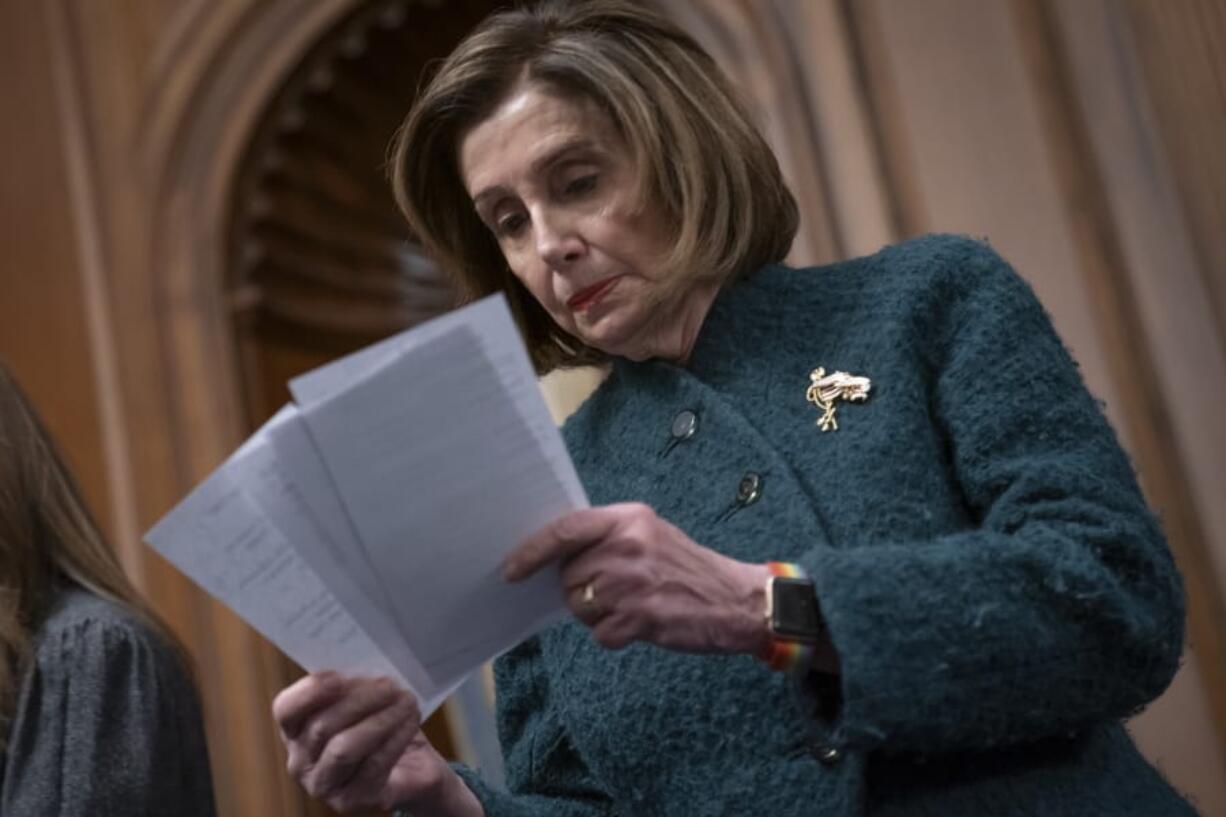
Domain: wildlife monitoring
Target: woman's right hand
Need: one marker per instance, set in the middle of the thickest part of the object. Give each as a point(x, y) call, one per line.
point(357, 744)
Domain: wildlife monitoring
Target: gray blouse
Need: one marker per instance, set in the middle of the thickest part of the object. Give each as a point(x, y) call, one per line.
point(107, 722)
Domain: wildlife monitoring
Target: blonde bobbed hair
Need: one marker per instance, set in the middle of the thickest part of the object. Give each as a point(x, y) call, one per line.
point(700, 158)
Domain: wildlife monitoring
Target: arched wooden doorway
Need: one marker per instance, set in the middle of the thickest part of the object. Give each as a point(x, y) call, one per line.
point(278, 247)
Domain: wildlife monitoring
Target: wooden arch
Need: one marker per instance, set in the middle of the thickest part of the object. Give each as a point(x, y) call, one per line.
point(259, 149)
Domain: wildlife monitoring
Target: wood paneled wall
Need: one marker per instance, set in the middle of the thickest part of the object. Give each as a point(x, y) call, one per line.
point(1182, 53)
point(1083, 139)
point(152, 101)
point(45, 327)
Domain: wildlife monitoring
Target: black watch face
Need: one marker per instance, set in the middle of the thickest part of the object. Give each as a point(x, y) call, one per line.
point(794, 612)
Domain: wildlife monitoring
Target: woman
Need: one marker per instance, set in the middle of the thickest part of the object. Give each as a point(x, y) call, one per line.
point(98, 714)
point(861, 542)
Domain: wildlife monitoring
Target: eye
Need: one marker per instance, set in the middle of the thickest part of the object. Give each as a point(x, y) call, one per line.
point(511, 225)
point(581, 185)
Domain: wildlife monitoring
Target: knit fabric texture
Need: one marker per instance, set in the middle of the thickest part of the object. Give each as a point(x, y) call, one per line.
point(999, 595)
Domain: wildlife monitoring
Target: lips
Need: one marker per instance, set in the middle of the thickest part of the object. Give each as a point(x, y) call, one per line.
point(585, 299)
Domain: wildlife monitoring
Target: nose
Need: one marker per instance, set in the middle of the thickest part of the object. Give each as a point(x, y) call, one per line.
point(558, 240)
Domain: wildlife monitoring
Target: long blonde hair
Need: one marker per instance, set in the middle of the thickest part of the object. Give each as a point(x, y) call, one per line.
point(47, 538)
point(700, 156)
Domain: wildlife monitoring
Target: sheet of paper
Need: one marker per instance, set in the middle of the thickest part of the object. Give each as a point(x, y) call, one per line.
point(365, 531)
point(308, 481)
point(490, 318)
point(322, 382)
point(264, 478)
point(221, 539)
point(442, 476)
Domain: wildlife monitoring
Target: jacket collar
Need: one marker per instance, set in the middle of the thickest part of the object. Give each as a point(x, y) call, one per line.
point(741, 328)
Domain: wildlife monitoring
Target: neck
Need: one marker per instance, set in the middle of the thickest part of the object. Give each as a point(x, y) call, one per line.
point(676, 331)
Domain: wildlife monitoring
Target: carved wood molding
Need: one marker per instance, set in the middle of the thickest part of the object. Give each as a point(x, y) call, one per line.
point(83, 185)
point(315, 239)
point(194, 124)
point(209, 102)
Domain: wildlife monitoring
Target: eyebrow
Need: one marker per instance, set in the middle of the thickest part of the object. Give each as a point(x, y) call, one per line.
point(554, 156)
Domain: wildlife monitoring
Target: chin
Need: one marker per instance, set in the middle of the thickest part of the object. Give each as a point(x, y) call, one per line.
point(610, 339)
point(613, 330)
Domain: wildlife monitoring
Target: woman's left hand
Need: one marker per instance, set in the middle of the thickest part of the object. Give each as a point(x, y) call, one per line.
point(632, 576)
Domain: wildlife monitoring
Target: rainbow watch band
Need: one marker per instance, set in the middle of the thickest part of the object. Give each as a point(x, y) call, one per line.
point(781, 654)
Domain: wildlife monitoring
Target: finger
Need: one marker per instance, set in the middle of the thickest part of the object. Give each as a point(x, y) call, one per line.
point(362, 698)
point(608, 566)
point(586, 606)
point(298, 701)
point(614, 632)
point(296, 761)
point(369, 783)
point(559, 539)
point(612, 577)
point(349, 750)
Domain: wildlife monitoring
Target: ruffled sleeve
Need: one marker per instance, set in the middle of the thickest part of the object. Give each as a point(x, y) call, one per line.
point(107, 723)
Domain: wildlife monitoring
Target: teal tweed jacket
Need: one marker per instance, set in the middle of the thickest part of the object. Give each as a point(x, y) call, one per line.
point(998, 593)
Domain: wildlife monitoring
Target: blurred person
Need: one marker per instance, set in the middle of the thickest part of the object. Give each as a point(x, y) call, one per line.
point(861, 543)
point(98, 711)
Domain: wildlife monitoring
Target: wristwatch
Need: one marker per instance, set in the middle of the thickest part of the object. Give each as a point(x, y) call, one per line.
point(793, 618)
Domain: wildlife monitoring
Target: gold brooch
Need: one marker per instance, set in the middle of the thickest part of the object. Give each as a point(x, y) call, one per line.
point(825, 389)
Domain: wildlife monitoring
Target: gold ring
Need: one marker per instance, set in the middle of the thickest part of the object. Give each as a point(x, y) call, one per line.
point(589, 596)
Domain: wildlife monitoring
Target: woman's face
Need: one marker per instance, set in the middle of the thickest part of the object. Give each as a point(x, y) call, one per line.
point(556, 184)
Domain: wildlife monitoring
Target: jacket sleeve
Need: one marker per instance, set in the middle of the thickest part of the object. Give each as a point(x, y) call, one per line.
point(1062, 606)
point(107, 723)
point(545, 775)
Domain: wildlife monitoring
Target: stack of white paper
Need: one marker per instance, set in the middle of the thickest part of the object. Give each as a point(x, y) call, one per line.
point(363, 528)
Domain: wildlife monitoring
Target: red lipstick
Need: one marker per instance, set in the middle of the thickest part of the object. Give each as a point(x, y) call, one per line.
point(585, 299)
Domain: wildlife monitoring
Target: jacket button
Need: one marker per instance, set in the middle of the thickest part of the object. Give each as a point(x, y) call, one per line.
point(749, 490)
point(685, 425)
point(827, 755)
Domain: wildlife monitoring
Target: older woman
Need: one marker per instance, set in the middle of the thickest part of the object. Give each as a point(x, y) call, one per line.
point(861, 543)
